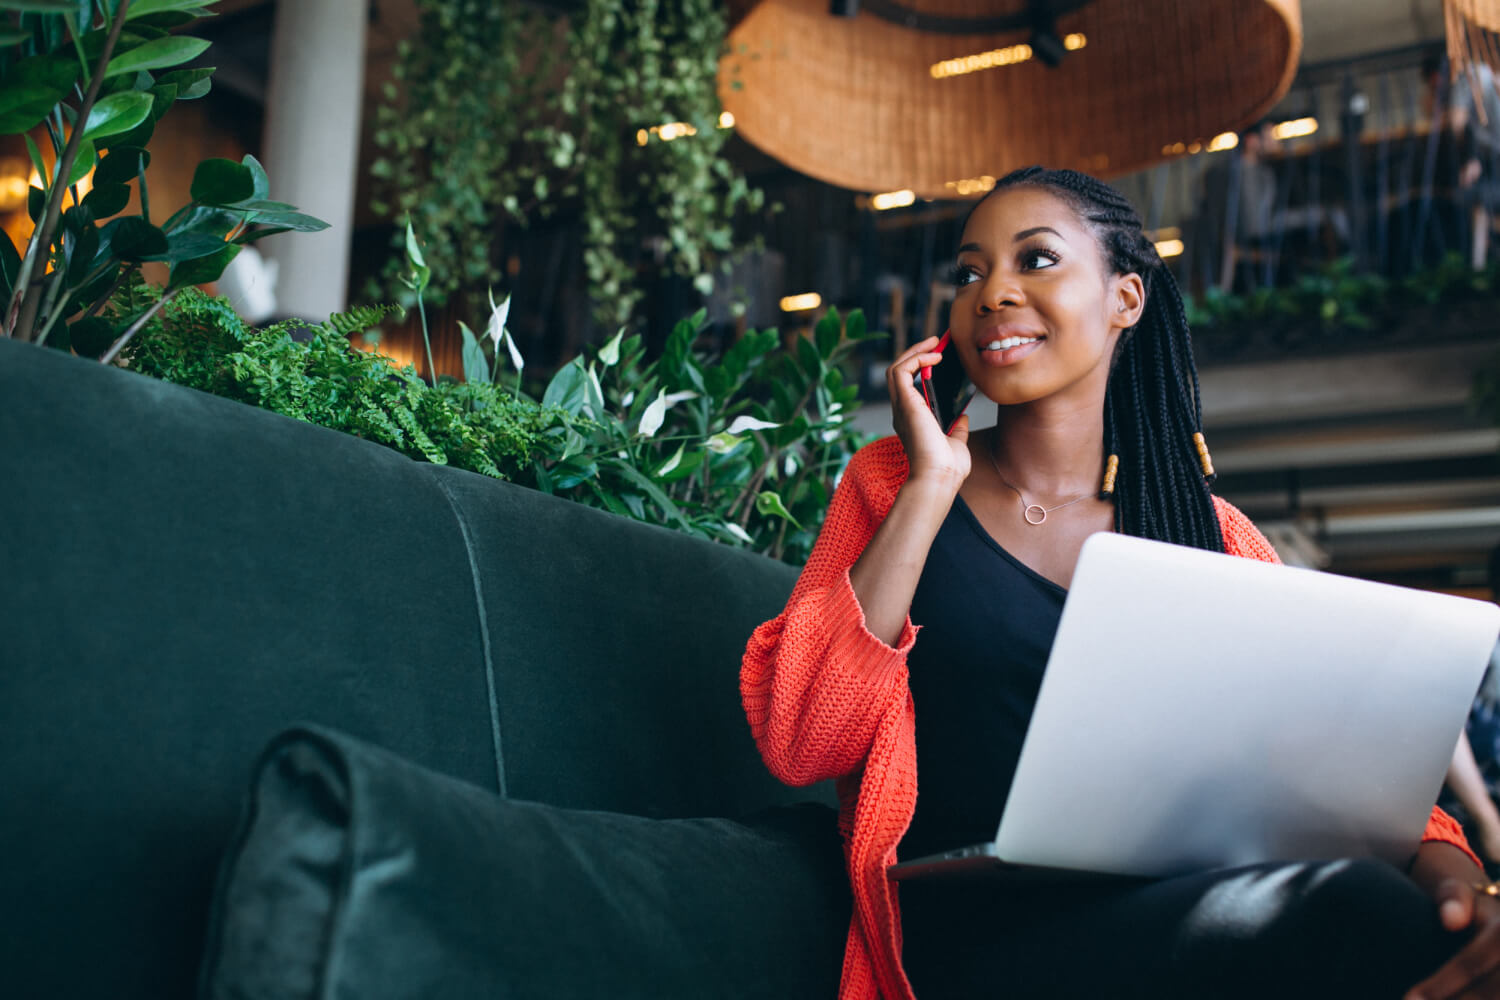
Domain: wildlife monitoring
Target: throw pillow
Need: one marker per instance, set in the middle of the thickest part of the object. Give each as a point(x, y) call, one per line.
point(357, 873)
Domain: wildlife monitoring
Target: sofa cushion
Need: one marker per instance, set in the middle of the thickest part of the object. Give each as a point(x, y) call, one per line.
point(655, 727)
point(358, 873)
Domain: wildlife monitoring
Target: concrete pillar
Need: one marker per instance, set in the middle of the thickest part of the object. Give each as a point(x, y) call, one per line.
point(312, 146)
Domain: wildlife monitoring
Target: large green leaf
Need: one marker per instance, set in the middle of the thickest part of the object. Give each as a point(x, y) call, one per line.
point(644, 483)
point(133, 238)
point(826, 333)
point(141, 8)
point(41, 6)
point(83, 162)
point(173, 50)
point(107, 199)
point(476, 367)
point(121, 166)
point(183, 246)
point(91, 337)
point(295, 221)
point(81, 250)
point(202, 270)
point(191, 84)
point(566, 390)
point(10, 266)
point(258, 173)
point(222, 182)
point(117, 113)
point(31, 89)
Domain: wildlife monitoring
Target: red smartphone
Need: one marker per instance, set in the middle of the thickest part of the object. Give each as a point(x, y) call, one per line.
point(946, 386)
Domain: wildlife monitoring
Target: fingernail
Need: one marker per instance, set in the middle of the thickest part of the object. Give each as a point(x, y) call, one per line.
point(1452, 910)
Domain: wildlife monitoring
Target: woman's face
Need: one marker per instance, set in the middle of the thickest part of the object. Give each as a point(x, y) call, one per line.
point(1037, 315)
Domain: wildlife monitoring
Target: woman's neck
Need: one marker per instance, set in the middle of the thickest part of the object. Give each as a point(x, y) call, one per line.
point(1049, 451)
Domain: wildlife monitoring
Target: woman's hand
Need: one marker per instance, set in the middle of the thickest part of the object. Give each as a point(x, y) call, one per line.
point(931, 455)
point(1475, 971)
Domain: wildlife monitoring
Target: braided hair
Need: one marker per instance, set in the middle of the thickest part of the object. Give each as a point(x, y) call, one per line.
point(1151, 405)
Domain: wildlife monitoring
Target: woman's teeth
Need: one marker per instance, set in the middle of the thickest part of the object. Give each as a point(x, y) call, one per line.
point(1009, 342)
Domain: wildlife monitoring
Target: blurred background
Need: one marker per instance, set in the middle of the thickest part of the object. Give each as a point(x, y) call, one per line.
point(1322, 183)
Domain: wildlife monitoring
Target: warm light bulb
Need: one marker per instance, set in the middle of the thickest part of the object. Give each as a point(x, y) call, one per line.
point(1295, 128)
point(892, 199)
point(801, 303)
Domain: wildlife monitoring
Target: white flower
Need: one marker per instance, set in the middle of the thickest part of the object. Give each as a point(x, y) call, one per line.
point(610, 352)
point(747, 423)
point(655, 413)
point(497, 332)
point(672, 462)
point(723, 443)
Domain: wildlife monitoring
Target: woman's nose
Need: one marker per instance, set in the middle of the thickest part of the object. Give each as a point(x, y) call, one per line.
point(1000, 290)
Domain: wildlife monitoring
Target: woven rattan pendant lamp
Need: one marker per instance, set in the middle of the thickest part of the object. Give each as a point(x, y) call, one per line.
point(1473, 37)
point(933, 95)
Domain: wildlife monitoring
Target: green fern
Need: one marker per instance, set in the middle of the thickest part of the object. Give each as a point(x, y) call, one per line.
point(361, 318)
point(199, 341)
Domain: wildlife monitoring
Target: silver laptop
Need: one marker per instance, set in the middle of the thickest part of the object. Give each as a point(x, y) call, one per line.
point(1202, 711)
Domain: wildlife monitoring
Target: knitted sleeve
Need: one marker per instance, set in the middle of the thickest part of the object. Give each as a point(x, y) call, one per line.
point(815, 682)
point(1241, 538)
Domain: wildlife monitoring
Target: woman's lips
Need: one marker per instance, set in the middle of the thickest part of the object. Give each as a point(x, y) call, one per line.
point(998, 352)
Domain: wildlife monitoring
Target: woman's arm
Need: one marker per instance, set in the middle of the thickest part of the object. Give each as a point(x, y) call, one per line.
point(817, 680)
point(1468, 784)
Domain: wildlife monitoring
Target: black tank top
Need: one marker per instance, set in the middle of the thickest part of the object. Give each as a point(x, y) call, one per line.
point(988, 623)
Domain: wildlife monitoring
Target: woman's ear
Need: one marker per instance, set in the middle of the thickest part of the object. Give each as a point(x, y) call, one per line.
point(1129, 300)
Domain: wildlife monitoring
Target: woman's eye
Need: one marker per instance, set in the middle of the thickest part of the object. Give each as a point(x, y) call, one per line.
point(962, 275)
point(1036, 260)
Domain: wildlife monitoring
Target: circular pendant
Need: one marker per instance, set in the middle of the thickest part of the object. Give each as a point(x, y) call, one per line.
point(1041, 513)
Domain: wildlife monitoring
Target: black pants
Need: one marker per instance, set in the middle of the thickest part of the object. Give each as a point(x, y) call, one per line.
point(1358, 929)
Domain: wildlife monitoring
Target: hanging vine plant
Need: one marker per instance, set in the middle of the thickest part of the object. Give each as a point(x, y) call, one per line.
point(501, 115)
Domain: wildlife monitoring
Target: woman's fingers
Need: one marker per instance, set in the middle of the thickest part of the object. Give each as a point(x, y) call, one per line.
point(1475, 970)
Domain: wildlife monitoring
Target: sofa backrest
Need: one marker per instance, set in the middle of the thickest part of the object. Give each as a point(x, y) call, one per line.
point(182, 576)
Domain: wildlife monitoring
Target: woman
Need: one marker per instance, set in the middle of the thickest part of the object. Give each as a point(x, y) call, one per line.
point(1066, 318)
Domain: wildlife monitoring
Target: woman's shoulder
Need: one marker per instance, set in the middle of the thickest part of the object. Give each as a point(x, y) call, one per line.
point(1241, 536)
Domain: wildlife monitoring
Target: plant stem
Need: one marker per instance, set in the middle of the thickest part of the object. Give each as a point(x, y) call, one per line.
point(776, 549)
point(135, 327)
point(50, 314)
point(83, 61)
point(25, 300)
point(426, 339)
point(140, 177)
point(103, 300)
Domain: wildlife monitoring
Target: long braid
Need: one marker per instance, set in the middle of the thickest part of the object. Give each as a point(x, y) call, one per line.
point(1152, 406)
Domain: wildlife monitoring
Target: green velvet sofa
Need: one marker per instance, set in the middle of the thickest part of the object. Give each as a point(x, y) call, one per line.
point(514, 684)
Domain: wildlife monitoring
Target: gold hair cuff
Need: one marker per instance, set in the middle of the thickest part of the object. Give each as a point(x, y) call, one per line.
point(1111, 469)
point(1203, 459)
point(1486, 888)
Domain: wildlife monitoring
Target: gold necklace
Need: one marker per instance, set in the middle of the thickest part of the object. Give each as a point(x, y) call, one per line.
point(1040, 511)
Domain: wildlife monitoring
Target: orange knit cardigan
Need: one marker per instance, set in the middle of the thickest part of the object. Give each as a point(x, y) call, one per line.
point(827, 699)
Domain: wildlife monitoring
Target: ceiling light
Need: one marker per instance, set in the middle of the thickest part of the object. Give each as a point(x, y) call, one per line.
point(1295, 128)
point(892, 199)
point(801, 303)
